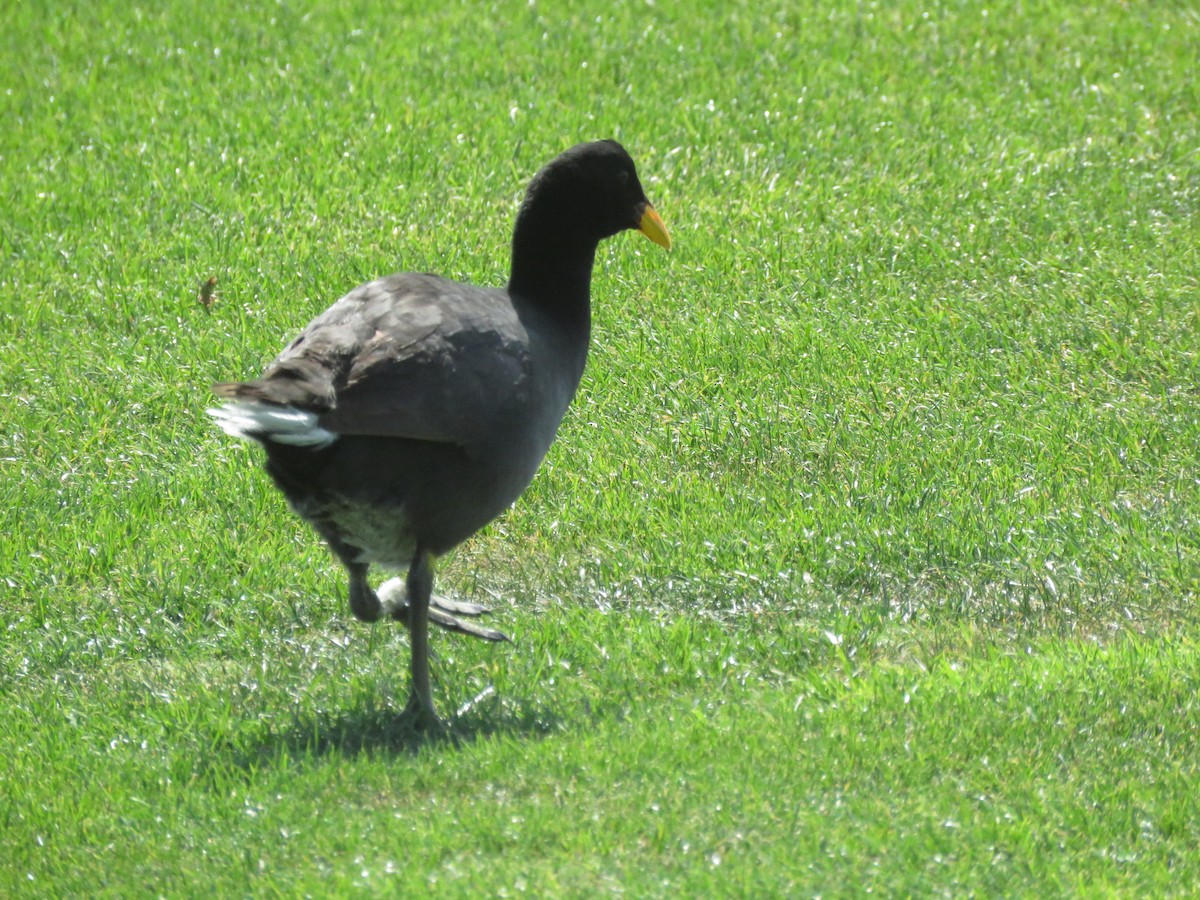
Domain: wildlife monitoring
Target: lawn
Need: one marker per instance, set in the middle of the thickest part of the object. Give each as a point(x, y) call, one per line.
point(867, 558)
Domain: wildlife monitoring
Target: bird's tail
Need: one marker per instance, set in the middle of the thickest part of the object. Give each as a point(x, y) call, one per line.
point(258, 421)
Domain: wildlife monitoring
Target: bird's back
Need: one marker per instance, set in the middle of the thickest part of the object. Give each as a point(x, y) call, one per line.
point(439, 399)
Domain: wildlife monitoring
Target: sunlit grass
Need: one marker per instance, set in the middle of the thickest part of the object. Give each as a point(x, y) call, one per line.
point(868, 554)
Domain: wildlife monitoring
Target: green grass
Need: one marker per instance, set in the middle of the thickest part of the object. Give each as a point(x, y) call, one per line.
point(867, 558)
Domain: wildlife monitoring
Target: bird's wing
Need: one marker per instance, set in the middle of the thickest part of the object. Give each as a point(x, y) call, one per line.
point(409, 356)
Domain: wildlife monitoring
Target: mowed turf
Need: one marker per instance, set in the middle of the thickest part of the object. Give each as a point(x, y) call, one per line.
point(867, 557)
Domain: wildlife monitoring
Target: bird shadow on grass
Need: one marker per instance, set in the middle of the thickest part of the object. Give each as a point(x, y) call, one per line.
point(371, 730)
point(374, 728)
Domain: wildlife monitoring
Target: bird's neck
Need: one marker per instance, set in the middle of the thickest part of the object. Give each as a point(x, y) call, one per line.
point(553, 270)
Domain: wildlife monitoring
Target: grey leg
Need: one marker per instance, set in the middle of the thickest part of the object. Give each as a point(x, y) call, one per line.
point(364, 603)
point(420, 587)
point(443, 612)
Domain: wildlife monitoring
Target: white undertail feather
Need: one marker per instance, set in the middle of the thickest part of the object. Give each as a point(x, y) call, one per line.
point(282, 424)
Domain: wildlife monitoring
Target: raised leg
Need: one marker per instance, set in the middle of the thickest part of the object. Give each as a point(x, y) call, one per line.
point(364, 602)
point(443, 612)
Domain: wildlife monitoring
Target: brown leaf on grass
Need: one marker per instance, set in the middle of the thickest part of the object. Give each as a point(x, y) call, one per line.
point(208, 293)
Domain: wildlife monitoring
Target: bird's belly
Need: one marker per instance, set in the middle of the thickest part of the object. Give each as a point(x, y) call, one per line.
point(378, 534)
point(378, 499)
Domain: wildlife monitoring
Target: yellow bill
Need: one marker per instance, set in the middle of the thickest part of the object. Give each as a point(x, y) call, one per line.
point(651, 225)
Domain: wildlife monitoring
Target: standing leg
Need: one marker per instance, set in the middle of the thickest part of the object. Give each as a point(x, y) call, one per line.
point(420, 587)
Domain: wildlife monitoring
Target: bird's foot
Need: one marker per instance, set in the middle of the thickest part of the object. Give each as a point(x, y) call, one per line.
point(393, 596)
point(420, 717)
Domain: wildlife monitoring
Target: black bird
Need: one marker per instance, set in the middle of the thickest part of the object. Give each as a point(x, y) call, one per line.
point(416, 409)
